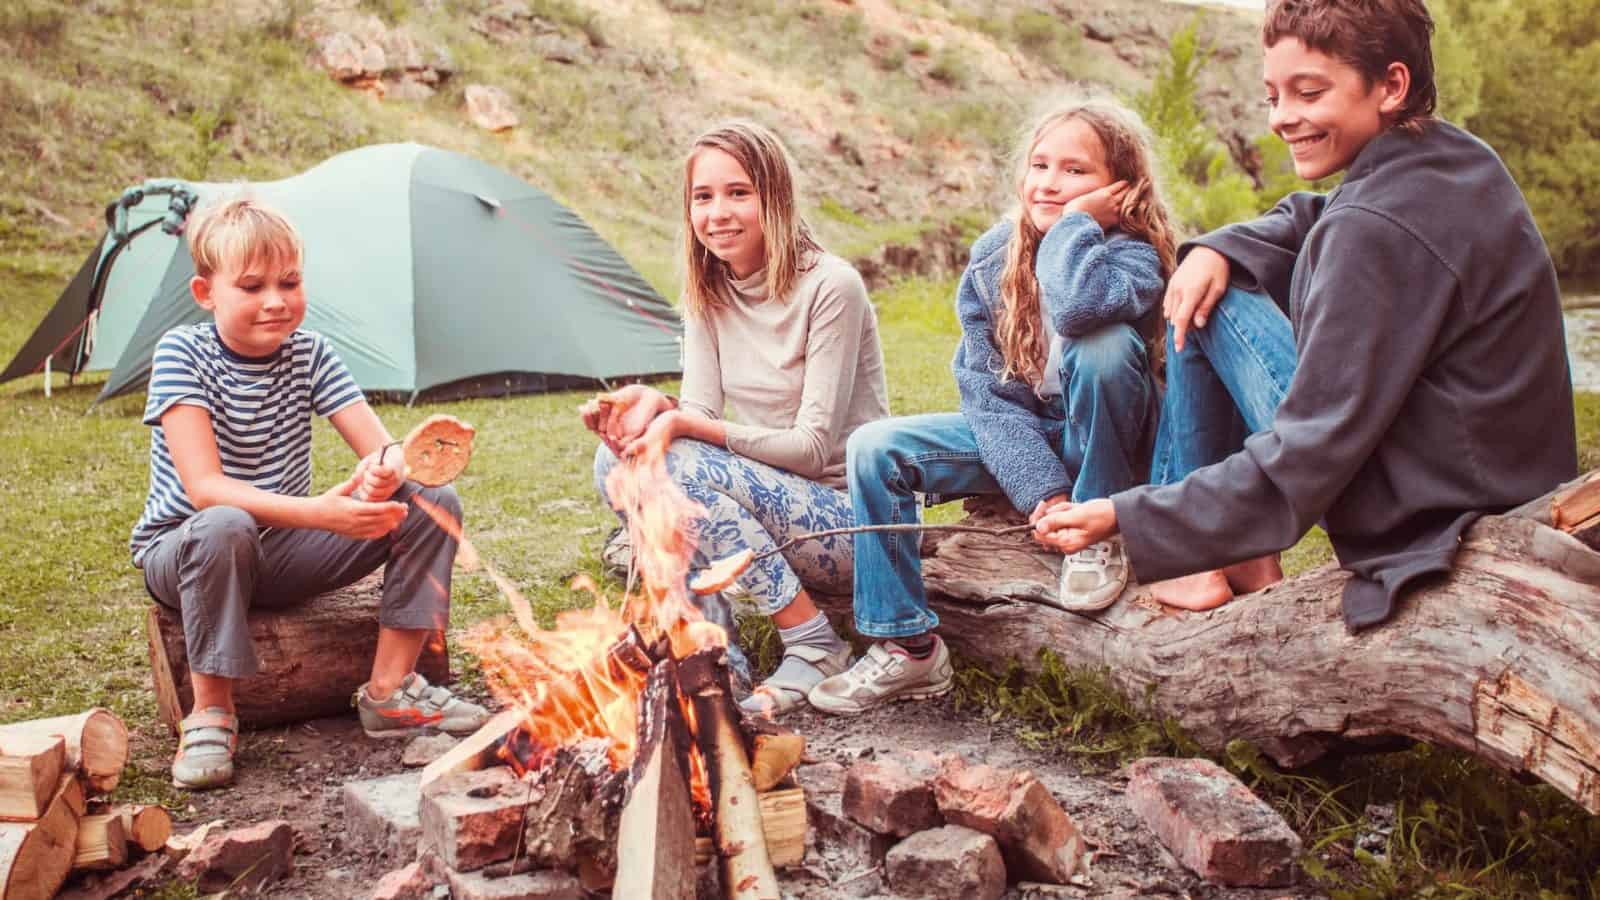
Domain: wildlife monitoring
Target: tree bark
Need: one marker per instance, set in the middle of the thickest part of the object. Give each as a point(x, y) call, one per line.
point(313, 657)
point(1498, 658)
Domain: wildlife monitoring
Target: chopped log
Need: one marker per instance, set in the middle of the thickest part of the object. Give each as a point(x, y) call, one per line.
point(101, 843)
point(30, 771)
point(478, 750)
point(35, 858)
point(146, 827)
point(313, 657)
point(655, 833)
point(783, 823)
point(1496, 659)
point(577, 802)
point(96, 744)
point(747, 872)
point(774, 757)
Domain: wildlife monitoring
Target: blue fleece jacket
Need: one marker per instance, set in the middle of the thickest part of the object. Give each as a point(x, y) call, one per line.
point(1088, 279)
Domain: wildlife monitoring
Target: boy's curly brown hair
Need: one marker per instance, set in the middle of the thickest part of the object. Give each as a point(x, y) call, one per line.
point(1368, 35)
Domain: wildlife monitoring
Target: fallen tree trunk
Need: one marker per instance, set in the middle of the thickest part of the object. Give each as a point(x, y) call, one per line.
point(313, 656)
point(1498, 659)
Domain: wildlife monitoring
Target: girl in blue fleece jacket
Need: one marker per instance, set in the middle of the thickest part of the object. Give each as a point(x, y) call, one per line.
point(1058, 307)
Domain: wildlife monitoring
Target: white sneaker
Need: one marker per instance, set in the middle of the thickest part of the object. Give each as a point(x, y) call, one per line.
point(1094, 577)
point(886, 673)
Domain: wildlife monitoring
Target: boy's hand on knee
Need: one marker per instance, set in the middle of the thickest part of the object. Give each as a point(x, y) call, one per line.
point(339, 512)
point(1193, 291)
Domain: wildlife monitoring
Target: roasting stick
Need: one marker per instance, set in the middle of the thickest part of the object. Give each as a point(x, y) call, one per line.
point(722, 572)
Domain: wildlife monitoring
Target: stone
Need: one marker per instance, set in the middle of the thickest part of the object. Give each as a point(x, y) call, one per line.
point(892, 794)
point(381, 815)
point(471, 819)
point(548, 884)
point(349, 58)
point(409, 883)
point(1039, 840)
point(559, 49)
point(408, 90)
point(489, 108)
point(241, 859)
point(427, 748)
point(847, 847)
point(949, 861)
point(1212, 823)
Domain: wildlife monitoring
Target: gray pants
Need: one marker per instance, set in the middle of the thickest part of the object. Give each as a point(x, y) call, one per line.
point(218, 564)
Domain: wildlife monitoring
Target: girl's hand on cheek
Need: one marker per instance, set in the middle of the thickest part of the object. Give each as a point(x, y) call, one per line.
point(1104, 204)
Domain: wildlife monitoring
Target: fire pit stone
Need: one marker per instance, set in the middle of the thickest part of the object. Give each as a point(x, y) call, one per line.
point(893, 793)
point(472, 819)
point(1039, 840)
point(949, 861)
point(381, 814)
point(543, 885)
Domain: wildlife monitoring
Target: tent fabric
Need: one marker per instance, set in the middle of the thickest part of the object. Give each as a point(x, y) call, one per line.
point(432, 273)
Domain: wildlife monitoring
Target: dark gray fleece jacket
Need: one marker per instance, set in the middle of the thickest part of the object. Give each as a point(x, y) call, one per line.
point(1432, 384)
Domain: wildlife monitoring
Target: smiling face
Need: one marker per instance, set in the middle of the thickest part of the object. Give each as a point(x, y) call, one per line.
point(725, 211)
point(1066, 162)
point(1324, 108)
point(257, 303)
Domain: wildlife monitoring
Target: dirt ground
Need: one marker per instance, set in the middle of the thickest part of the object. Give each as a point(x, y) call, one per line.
point(296, 772)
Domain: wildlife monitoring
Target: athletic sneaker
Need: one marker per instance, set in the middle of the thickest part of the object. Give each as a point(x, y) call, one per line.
point(416, 706)
point(1094, 577)
point(886, 672)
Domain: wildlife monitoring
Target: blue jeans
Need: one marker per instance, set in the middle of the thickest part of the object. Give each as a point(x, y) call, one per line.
point(1109, 398)
point(1225, 385)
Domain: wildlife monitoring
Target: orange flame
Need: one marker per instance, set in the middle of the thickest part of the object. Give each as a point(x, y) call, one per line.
point(567, 681)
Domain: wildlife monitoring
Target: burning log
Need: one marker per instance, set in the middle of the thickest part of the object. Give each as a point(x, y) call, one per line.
point(746, 867)
point(35, 857)
point(96, 744)
point(577, 801)
point(478, 750)
point(655, 837)
point(313, 657)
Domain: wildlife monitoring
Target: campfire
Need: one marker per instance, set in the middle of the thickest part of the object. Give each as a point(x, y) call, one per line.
point(622, 754)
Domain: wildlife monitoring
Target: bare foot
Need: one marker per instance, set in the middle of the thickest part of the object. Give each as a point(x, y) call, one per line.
point(1254, 574)
point(1200, 591)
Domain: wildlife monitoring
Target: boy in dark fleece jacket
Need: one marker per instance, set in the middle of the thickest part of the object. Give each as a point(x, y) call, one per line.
point(1420, 376)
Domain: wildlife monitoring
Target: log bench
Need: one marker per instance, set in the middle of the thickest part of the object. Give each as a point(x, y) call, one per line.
point(313, 655)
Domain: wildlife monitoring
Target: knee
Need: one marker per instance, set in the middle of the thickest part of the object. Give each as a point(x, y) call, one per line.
point(221, 532)
point(870, 450)
point(443, 498)
point(1110, 355)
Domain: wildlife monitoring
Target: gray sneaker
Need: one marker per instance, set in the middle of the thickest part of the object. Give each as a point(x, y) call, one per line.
point(1094, 577)
point(416, 706)
point(617, 554)
point(886, 673)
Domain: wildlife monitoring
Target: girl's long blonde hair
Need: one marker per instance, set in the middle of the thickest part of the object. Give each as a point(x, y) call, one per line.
point(1127, 146)
point(791, 249)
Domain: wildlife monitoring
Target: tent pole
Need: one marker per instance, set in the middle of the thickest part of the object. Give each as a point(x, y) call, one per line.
point(413, 401)
point(47, 378)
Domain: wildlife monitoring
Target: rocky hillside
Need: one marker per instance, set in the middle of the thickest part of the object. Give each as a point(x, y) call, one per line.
point(899, 111)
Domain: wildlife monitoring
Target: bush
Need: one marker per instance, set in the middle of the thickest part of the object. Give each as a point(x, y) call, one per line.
point(949, 68)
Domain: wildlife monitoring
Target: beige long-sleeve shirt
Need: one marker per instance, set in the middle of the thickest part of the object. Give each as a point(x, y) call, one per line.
point(798, 374)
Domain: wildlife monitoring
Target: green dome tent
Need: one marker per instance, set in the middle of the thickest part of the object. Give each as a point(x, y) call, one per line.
point(433, 274)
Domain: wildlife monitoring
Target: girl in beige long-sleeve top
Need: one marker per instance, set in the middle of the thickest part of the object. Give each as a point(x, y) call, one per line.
point(780, 337)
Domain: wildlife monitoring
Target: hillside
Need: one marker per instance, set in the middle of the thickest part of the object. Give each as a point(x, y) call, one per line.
point(900, 111)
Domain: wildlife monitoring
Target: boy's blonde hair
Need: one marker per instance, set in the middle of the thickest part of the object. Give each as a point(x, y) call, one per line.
point(242, 232)
point(1128, 154)
point(791, 249)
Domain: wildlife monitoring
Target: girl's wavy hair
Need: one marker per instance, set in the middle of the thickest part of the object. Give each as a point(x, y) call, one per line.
point(791, 248)
point(1127, 146)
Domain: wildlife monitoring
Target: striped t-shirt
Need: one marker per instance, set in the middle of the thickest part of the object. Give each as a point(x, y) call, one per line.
point(260, 411)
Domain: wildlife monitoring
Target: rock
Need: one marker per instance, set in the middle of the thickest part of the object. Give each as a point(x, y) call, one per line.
point(949, 861)
point(401, 49)
point(427, 748)
point(472, 819)
point(504, 23)
point(381, 815)
point(558, 49)
point(241, 859)
point(489, 108)
point(348, 58)
point(544, 885)
point(1096, 30)
point(1212, 823)
point(892, 794)
point(1039, 840)
point(409, 883)
point(407, 90)
point(846, 848)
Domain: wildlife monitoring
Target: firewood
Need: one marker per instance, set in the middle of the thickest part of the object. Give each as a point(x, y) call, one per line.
point(783, 823)
point(96, 744)
point(30, 771)
point(147, 827)
point(101, 843)
point(1572, 505)
point(747, 872)
point(36, 857)
point(313, 657)
point(1496, 658)
point(476, 751)
point(577, 804)
point(655, 834)
point(774, 758)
